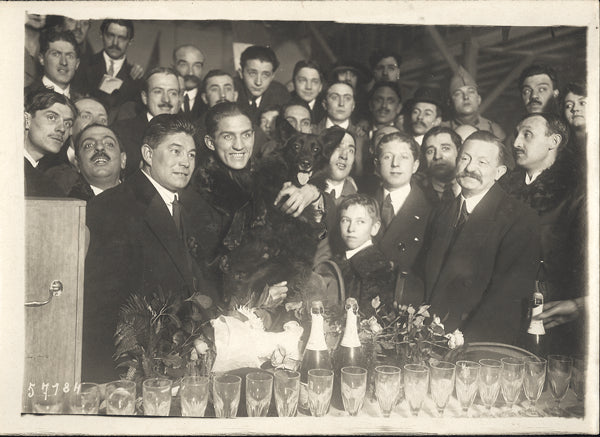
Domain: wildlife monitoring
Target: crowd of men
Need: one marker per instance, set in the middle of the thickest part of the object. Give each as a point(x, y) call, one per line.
point(465, 212)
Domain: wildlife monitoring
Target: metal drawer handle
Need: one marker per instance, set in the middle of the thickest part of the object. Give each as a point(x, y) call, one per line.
point(55, 289)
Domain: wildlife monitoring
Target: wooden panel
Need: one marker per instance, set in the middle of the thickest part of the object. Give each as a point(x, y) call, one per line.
point(54, 250)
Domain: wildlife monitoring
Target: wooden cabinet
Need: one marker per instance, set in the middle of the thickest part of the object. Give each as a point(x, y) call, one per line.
point(55, 244)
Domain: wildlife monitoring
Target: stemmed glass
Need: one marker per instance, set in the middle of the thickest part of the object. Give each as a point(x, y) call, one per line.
point(259, 390)
point(387, 385)
point(511, 380)
point(489, 383)
point(226, 395)
point(560, 368)
point(578, 382)
point(533, 383)
point(442, 384)
point(320, 389)
point(467, 375)
point(416, 379)
point(353, 387)
point(287, 389)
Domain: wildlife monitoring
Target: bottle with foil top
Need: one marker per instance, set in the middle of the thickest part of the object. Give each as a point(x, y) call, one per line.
point(316, 355)
point(536, 333)
point(350, 352)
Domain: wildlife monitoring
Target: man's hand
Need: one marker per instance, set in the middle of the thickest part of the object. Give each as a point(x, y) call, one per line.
point(277, 294)
point(137, 71)
point(299, 198)
point(558, 312)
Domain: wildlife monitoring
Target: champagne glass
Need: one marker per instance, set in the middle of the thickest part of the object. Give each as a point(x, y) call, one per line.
point(120, 397)
point(387, 385)
point(511, 380)
point(560, 368)
point(353, 387)
point(441, 384)
point(489, 383)
point(533, 383)
point(85, 399)
point(226, 395)
point(194, 395)
point(259, 389)
point(156, 396)
point(320, 389)
point(416, 380)
point(287, 390)
point(467, 376)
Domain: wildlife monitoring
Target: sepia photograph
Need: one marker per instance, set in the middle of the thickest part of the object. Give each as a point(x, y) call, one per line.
point(300, 217)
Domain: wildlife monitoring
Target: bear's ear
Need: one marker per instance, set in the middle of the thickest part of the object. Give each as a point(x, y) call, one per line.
point(331, 138)
point(284, 129)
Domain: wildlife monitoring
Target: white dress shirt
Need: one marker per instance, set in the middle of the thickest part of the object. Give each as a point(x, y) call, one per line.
point(117, 63)
point(57, 88)
point(473, 201)
point(29, 158)
point(329, 123)
point(529, 179)
point(258, 100)
point(351, 253)
point(167, 196)
point(334, 185)
point(192, 94)
point(398, 197)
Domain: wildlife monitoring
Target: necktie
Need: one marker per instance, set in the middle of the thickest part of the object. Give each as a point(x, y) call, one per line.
point(387, 211)
point(463, 215)
point(177, 216)
point(186, 103)
point(253, 103)
point(111, 68)
point(333, 193)
point(447, 194)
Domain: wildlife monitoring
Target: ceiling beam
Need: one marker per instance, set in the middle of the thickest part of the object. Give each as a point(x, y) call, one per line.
point(443, 48)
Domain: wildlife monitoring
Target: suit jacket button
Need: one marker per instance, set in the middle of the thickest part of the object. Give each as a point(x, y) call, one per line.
point(417, 217)
point(402, 247)
point(417, 239)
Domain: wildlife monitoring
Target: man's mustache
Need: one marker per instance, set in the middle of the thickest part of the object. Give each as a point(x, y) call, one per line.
point(165, 106)
point(191, 78)
point(419, 123)
point(468, 174)
point(534, 101)
point(98, 155)
point(113, 48)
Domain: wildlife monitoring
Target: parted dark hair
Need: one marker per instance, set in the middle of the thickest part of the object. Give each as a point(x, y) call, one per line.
point(402, 137)
point(166, 124)
point(577, 88)
point(308, 64)
point(215, 73)
point(378, 55)
point(125, 23)
point(79, 99)
point(504, 157)
point(52, 35)
point(534, 69)
point(262, 53)
point(436, 130)
point(295, 102)
point(164, 70)
point(392, 85)
point(555, 124)
point(368, 202)
point(79, 137)
point(218, 112)
point(46, 98)
point(338, 82)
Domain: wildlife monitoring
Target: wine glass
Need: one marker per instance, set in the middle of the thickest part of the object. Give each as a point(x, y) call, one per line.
point(226, 395)
point(320, 389)
point(489, 383)
point(416, 378)
point(287, 389)
point(533, 383)
point(194, 395)
point(578, 384)
point(511, 380)
point(442, 384)
point(560, 368)
point(353, 387)
point(259, 389)
point(467, 376)
point(387, 385)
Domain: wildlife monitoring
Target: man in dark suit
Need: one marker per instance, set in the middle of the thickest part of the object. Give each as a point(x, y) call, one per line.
point(161, 95)
point(404, 210)
point(256, 85)
point(308, 82)
point(139, 234)
point(108, 76)
point(100, 159)
point(482, 251)
point(48, 121)
point(188, 61)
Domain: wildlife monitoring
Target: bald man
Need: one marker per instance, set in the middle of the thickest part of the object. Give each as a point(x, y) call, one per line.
point(188, 60)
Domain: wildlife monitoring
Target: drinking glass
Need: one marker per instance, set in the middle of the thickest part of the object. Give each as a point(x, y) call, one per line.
point(533, 383)
point(85, 399)
point(353, 387)
point(156, 396)
point(287, 390)
point(259, 389)
point(48, 401)
point(511, 380)
point(387, 386)
point(416, 380)
point(467, 376)
point(578, 377)
point(489, 382)
point(320, 388)
point(560, 368)
point(226, 395)
point(194, 395)
point(441, 384)
point(120, 397)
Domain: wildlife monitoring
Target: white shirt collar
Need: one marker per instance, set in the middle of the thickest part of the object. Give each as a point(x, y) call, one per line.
point(96, 190)
point(167, 196)
point(29, 158)
point(191, 95)
point(117, 63)
point(529, 180)
point(149, 116)
point(338, 186)
point(351, 253)
point(258, 100)
point(398, 196)
point(473, 201)
point(57, 89)
point(311, 104)
point(329, 123)
point(419, 139)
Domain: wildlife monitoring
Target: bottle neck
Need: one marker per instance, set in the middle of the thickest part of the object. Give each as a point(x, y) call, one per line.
point(316, 340)
point(350, 338)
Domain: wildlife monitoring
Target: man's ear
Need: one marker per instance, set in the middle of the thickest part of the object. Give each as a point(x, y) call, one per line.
point(240, 72)
point(375, 228)
point(555, 93)
point(27, 120)
point(235, 96)
point(437, 121)
point(123, 160)
point(399, 109)
point(147, 154)
point(203, 97)
point(415, 166)
point(478, 100)
point(41, 59)
point(500, 171)
point(210, 143)
point(76, 163)
point(556, 139)
point(77, 64)
point(144, 98)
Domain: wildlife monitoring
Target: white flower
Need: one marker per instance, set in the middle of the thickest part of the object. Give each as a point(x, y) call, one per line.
point(374, 326)
point(200, 346)
point(193, 355)
point(437, 321)
point(455, 339)
point(375, 302)
point(410, 309)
